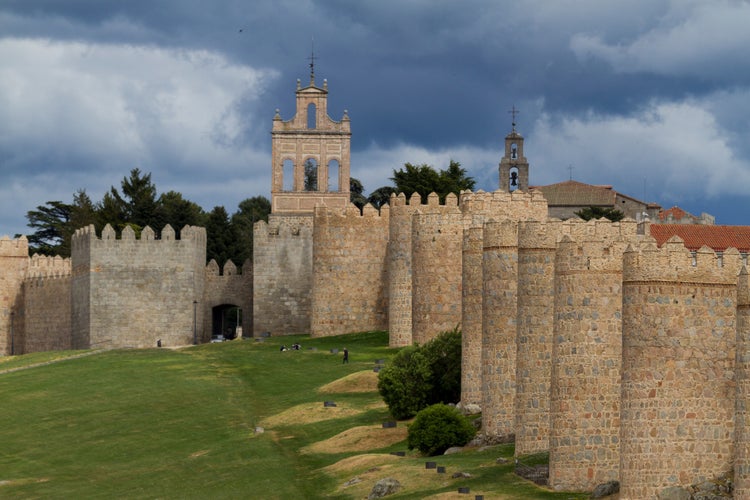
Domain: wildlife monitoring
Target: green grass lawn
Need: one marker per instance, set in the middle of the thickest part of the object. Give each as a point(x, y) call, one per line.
point(161, 423)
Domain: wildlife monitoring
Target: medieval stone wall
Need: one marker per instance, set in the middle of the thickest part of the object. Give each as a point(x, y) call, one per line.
point(14, 260)
point(227, 288)
point(47, 307)
point(399, 269)
point(537, 242)
point(586, 354)
point(742, 371)
point(499, 304)
point(678, 387)
point(282, 275)
point(476, 209)
point(349, 291)
point(437, 239)
point(136, 292)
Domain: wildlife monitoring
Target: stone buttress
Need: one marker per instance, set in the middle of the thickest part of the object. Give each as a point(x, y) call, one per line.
point(14, 260)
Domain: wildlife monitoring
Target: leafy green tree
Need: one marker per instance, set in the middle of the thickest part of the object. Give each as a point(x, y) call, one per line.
point(444, 356)
point(138, 200)
point(424, 179)
point(381, 196)
point(404, 383)
point(437, 428)
point(51, 225)
point(610, 213)
point(355, 193)
point(178, 212)
point(220, 237)
point(250, 211)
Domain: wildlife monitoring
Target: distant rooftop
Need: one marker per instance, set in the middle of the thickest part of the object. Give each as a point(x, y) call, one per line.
point(718, 238)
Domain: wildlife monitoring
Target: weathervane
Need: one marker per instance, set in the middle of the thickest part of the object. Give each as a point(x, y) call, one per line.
point(514, 112)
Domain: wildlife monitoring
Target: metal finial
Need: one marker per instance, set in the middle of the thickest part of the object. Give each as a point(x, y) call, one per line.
point(513, 113)
point(312, 61)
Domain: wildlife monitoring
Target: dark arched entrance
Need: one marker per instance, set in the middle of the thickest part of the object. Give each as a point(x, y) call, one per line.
point(226, 322)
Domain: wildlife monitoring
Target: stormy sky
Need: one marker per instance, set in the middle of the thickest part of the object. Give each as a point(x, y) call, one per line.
point(650, 96)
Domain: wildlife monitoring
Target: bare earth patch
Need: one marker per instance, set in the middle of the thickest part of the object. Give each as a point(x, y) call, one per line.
point(364, 381)
point(308, 413)
point(361, 438)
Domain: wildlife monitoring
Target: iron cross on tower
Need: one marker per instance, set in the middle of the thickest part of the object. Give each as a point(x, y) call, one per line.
point(513, 113)
point(312, 62)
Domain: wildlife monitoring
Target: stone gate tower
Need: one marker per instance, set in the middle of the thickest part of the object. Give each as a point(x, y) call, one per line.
point(310, 154)
point(514, 168)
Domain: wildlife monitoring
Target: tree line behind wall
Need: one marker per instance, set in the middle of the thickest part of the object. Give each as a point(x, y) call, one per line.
point(137, 204)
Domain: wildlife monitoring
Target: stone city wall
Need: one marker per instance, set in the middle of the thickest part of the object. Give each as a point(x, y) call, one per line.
point(437, 239)
point(586, 355)
point(349, 270)
point(678, 382)
point(14, 260)
point(227, 288)
point(537, 242)
point(399, 269)
point(742, 374)
point(137, 291)
point(46, 296)
point(282, 275)
point(499, 304)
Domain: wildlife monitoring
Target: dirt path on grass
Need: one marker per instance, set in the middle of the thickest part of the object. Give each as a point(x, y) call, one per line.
point(44, 363)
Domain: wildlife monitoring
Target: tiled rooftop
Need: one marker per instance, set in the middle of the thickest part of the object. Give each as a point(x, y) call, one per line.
point(718, 238)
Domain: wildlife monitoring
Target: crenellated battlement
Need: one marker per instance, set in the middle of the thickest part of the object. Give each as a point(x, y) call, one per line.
point(85, 237)
point(15, 247)
point(589, 255)
point(673, 262)
point(43, 266)
point(517, 205)
point(352, 212)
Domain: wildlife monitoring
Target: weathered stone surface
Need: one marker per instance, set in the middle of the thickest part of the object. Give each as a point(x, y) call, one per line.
point(605, 489)
point(384, 487)
point(674, 493)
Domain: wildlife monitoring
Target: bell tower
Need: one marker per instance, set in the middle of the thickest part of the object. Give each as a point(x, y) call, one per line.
point(310, 154)
point(514, 168)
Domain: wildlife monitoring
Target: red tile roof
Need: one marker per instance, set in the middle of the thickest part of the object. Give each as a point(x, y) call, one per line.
point(676, 212)
point(718, 238)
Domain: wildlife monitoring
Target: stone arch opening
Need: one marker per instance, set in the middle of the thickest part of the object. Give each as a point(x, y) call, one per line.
point(226, 322)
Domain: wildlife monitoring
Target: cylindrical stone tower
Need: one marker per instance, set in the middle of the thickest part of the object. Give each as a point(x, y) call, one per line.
point(399, 270)
point(536, 291)
point(585, 387)
point(437, 241)
point(500, 272)
point(678, 387)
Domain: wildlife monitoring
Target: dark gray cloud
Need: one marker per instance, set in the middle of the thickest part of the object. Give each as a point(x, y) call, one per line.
point(651, 96)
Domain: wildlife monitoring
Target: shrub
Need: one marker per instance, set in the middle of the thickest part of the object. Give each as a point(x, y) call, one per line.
point(419, 376)
point(405, 383)
point(444, 356)
point(437, 428)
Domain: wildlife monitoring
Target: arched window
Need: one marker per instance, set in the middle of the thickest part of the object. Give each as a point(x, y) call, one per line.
point(514, 151)
point(311, 116)
point(333, 176)
point(311, 174)
point(287, 174)
point(513, 181)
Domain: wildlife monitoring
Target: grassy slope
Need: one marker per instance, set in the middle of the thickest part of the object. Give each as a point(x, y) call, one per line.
point(160, 423)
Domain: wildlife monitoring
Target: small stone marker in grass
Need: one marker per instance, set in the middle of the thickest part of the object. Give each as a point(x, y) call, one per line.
point(329, 404)
point(430, 465)
point(441, 469)
point(389, 424)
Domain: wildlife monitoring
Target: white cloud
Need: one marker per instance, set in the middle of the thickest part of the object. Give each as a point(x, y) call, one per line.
point(677, 150)
point(693, 38)
point(76, 114)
